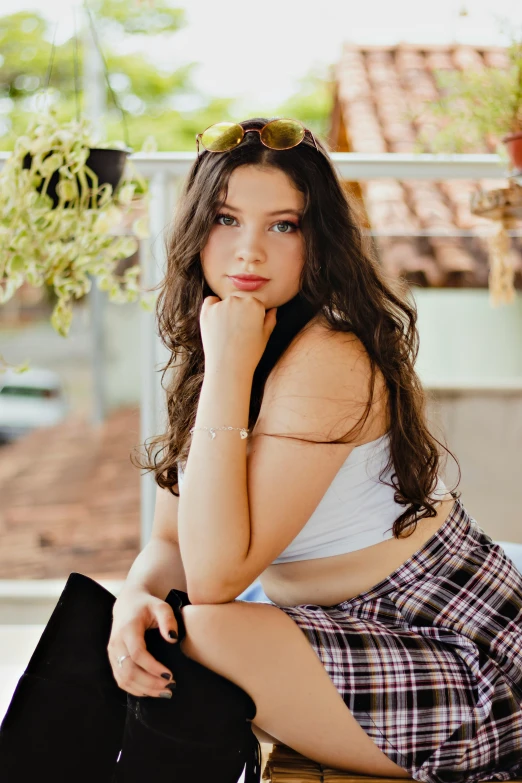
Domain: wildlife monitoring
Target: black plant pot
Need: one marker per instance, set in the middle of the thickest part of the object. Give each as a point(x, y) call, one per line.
point(107, 164)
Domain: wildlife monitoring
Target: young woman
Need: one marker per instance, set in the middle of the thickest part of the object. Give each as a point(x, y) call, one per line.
point(297, 435)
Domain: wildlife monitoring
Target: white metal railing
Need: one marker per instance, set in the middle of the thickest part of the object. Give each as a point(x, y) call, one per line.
point(166, 170)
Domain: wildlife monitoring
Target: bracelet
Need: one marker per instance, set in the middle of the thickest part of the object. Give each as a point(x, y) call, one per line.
point(212, 431)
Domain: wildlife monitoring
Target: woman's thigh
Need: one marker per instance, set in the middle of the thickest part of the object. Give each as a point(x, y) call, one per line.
point(262, 650)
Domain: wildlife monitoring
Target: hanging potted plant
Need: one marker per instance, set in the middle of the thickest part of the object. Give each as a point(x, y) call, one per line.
point(479, 105)
point(102, 167)
point(62, 200)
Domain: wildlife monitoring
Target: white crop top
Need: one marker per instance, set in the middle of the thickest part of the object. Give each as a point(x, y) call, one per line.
point(356, 511)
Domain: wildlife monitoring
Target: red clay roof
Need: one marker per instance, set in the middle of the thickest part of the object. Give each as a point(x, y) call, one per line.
point(378, 90)
point(71, 500)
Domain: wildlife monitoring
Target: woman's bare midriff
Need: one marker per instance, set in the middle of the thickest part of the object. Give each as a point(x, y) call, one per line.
point(330, 580)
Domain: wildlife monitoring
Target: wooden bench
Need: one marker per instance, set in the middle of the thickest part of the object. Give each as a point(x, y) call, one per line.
point(284, 765)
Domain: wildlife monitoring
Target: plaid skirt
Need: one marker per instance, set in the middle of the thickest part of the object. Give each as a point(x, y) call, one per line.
point(429, 660)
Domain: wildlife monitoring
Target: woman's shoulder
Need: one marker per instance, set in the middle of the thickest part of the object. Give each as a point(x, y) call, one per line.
point(326, 373)
point(320, 342)
point(323, 359)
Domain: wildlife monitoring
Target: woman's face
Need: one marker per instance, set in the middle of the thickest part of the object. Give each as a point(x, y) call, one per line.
point(257, 233)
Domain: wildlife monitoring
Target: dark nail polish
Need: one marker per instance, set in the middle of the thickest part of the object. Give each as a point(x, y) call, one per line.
point(166, 676)
point(173, 634)
point(171, 685)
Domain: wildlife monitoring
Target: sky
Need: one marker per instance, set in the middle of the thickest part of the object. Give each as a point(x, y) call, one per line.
point(261, 48)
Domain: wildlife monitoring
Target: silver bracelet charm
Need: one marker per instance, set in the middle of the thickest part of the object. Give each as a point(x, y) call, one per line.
point(212, 431)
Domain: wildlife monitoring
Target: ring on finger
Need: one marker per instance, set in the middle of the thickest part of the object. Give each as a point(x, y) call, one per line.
point(120, 660)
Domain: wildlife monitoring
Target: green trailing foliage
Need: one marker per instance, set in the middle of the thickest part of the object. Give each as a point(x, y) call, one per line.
point(68, 245)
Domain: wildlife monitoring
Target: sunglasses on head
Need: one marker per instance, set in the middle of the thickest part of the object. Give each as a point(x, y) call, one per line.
point(280, 134)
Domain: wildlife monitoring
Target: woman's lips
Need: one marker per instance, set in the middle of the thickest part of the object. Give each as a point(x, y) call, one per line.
point(243, 284)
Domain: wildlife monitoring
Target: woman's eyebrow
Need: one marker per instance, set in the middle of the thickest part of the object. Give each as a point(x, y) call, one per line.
point(298, 212)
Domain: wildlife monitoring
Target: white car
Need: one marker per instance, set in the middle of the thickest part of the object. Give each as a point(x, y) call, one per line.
point(28, 400)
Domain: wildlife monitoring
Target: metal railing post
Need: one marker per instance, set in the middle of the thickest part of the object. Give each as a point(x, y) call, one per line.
point(152, 259)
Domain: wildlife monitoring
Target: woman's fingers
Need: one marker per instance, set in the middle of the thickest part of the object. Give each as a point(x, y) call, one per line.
point(133, 679)
point(140, 673)
point(166, 622)
point(142, 657)
point(141, 695)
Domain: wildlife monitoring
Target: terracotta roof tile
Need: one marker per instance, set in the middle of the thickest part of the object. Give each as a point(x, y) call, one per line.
point(457, 193)
point(438, 61)
point(467, 58)
point(496, 58)
point(382, 92)
point(71, 500)
point(384, 199)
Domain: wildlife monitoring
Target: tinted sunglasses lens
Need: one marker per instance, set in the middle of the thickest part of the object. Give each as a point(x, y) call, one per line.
point(222, 136)
point(282, 134)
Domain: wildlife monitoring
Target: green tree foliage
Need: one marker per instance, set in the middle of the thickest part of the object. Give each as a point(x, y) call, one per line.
point(153, 99)
point(132, 18)
point(313, 101)
point(164, 104)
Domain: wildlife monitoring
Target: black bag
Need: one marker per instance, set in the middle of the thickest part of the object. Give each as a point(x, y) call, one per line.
point(69, 720)
point(66, 719)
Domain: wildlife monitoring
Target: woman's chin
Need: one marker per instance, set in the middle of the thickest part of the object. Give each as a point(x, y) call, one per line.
point(264, 297)
point(247, 294)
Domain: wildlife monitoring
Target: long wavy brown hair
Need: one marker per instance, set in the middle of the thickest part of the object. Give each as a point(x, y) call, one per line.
point(341, 279)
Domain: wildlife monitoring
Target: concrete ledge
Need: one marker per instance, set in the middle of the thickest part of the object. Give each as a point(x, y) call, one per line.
point(479, 385)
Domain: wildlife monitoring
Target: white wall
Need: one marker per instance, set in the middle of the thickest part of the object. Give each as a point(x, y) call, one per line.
point(483, 429)
point(463, 338)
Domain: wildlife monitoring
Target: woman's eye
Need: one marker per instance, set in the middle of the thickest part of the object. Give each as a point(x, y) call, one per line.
point(225, 217)
point(286, 223)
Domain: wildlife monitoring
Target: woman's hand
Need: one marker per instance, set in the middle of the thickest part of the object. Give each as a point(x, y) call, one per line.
point(133, 613)
point(235, 331)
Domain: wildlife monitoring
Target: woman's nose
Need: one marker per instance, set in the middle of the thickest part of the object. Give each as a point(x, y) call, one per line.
point(250, 252)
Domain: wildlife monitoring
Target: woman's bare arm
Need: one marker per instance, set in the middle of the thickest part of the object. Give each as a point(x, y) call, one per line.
point(238, 512)
point(159, 567)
